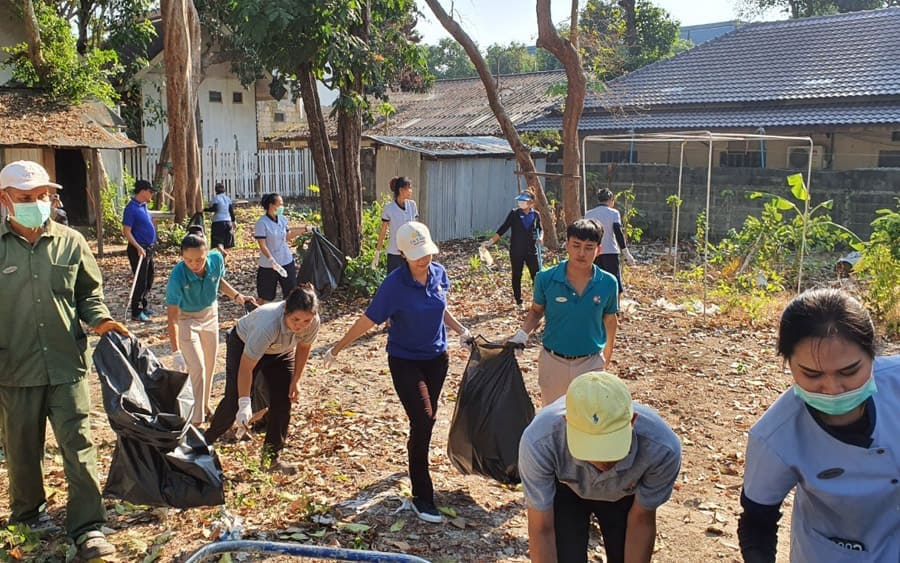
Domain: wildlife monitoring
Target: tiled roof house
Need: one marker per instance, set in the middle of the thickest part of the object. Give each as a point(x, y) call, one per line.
point(835, 78)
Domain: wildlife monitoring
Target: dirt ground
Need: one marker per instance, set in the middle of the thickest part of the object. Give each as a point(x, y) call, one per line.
point(710, 378)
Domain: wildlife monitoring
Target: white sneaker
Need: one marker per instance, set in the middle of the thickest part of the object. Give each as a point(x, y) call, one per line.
point(426, 510)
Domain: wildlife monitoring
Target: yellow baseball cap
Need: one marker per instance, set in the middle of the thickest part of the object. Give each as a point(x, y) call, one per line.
point(598, 417)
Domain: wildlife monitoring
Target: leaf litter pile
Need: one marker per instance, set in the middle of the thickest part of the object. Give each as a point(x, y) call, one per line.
point(710, 377)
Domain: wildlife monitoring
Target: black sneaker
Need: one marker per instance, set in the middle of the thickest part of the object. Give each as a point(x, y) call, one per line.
point(43, 525)
point(426, 510)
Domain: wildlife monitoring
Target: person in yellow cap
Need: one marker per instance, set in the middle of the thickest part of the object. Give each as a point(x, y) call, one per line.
point(595, 451)
point(51, 284)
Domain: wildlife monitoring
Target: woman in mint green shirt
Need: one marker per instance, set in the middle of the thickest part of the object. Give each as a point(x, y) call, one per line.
point(193, 313)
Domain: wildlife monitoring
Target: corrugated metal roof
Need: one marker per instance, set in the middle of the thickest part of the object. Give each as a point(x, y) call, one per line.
point(460, 107)
point(846, 113)
point(27, 119)
point(837, 56)
point(447, 146)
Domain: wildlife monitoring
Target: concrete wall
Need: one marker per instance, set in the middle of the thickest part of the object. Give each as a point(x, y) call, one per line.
point(856, 194)
point(267, 127)
point(227, 124)
point(842, 148)
point(11, 33)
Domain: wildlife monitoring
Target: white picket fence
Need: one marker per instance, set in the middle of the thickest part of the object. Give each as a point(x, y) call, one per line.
point(245, 174)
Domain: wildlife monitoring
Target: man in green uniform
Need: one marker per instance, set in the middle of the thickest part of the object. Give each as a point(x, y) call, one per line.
point(50, 283)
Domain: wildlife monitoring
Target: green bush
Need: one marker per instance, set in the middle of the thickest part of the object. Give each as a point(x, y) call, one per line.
point(111, 207)
point(359, 277)
point(879, 266)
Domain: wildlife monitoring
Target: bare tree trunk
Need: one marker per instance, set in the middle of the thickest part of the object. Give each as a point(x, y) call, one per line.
point(321, 152)
point(33, 38)
point(567, 53)
point(631, 37)
point(349, 185)
point(97, 180)
point(182, 61)
point(523, 155)
point(85, 7)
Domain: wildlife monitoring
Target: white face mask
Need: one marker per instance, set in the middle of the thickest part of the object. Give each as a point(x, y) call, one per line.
point(523, 205)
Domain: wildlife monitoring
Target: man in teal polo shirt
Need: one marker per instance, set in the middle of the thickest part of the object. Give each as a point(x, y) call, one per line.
point(51, 284)
point(579, 302)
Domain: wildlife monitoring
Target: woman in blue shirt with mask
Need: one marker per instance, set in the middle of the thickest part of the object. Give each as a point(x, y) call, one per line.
point(833, 436)
point(276, 259)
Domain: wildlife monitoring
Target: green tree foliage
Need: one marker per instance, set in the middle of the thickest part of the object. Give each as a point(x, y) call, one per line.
point(880, 267)
point(807, 8)
point(509, 59)
point(448, 59)
point(70, 77)
point(603, 37)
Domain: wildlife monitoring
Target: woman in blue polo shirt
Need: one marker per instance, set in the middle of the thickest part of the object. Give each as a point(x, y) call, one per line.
point(414, 298)
point(833, 436)
point(276, 259)
point(193, 313)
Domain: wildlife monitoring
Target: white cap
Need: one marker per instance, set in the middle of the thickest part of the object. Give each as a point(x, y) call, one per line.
point(414, 240)
point(25, 175)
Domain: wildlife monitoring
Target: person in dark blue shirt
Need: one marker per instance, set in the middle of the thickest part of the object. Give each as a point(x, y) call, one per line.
point(137, 225)
point(414, 298)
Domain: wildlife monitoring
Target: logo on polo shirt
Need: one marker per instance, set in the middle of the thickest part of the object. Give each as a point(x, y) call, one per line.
point(10, 269)
point(831, 473)
point(561, 299)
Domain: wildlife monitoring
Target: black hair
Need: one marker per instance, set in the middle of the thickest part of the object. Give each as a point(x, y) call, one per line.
point(825, 313)
point(141, 185)
point(604, 194)
point(194, 238)
point(302, 298)
point(585, 229)
point(267, 200)
point(220, 188)
point(398, 182)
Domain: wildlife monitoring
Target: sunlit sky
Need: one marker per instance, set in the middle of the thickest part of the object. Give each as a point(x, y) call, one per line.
point(503, 21)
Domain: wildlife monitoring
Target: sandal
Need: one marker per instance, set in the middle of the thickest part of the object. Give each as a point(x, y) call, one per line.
point(94, 545)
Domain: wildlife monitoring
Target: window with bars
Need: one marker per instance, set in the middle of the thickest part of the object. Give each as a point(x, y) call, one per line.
point(741, 159)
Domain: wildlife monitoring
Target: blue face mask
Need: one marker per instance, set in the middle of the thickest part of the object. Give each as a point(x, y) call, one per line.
point(837, 404)
point(31, 215)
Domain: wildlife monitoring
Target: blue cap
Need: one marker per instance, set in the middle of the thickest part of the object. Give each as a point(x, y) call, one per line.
point(524, 197)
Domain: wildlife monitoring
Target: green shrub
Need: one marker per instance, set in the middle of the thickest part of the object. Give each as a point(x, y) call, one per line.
point(360, 278)
point(879, 266)
point(111, 207)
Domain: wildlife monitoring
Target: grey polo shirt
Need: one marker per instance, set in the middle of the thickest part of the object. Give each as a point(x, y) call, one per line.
point(263, 332)
point(275, 232)
point(648, 471)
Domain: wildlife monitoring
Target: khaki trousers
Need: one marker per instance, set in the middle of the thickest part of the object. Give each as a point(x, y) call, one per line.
point(198, 340)
point(555, 373)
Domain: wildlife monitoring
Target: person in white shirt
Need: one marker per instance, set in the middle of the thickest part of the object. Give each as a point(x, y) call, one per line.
point(613, 243)
point(394, 215)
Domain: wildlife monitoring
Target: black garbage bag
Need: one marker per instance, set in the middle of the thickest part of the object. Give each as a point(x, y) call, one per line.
point(493, 409)
point(323, 266)
point(160, 458)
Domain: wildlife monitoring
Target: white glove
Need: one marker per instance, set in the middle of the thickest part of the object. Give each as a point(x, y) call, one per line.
point(520, 337)
point(487, 243)
point(244, 413)
point(465, 338)
point(375, 260)
point(628, 257)
point(279, 269)
point(329, 359)
point(178, 363)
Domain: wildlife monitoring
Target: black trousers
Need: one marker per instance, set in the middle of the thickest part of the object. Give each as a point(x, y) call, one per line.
point(611, 263)
point(572, 519)
point(144, 282)
point(418, 384)
point(518, 261)
point(267, 281)
point(277, 371)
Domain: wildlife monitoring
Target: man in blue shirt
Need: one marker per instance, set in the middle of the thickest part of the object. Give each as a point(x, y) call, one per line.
point(580, 302)
point(137, 225)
